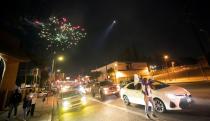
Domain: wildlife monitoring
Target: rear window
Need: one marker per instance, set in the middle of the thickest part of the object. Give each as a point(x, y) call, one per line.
point(104, 83)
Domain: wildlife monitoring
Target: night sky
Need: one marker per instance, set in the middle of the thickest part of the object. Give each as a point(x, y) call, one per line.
point(152, 27)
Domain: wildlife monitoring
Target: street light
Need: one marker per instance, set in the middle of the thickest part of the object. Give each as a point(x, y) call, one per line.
point(115, 72)
point(166, 57)
point(58, 70)
point(59, 58)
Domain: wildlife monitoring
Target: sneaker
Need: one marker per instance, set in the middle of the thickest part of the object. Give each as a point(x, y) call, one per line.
point(147, 116)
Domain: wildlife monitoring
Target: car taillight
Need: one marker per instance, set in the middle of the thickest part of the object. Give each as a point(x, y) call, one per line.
point(105, 89)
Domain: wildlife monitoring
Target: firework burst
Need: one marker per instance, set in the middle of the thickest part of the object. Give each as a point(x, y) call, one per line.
point(60, 33)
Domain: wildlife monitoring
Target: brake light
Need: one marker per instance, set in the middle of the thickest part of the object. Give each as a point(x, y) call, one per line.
point(105, 89)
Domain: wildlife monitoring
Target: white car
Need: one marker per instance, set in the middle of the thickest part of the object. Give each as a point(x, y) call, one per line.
point(165, 97)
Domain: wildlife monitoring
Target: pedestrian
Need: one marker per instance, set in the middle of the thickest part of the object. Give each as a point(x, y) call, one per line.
point(26, 105)
point(44, 98)
point(14, 101)
point(33, 103)
point(147, 91)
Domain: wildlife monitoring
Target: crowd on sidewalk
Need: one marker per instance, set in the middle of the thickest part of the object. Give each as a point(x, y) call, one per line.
point(28, 104)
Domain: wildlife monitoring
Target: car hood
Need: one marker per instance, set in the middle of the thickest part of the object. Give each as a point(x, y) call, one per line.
point(174, 90)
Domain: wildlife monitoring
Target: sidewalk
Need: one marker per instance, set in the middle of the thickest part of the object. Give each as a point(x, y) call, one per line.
point(43, 111)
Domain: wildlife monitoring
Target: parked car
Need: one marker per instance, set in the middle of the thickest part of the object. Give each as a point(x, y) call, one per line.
point(70, 99)
point(166, 97)
point(104, 88)
point(125, 82)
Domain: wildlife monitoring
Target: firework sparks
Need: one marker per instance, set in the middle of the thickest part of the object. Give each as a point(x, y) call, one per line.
point(60, 32)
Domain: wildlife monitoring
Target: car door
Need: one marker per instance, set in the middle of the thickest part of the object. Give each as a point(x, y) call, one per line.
point(130, 92)
point(138, 95)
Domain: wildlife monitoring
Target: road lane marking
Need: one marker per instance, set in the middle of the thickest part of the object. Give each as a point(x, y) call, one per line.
point(120, 108)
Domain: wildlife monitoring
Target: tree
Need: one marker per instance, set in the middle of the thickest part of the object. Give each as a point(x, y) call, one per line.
point(110, 71)
point(95, 75)
point(44, 77)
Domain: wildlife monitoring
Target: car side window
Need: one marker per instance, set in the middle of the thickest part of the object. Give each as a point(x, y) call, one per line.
point(131, 86)
point(138, 86)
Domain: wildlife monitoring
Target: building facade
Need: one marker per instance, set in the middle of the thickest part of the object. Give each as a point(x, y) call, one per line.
point(122, 71)
point(10, 56)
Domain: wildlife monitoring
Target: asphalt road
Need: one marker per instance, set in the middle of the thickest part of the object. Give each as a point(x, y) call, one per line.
point(113, 109)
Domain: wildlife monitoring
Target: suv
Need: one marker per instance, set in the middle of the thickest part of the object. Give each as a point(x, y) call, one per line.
point(104, 88)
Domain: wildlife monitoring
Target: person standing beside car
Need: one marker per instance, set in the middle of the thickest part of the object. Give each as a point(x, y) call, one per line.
point(147, 91)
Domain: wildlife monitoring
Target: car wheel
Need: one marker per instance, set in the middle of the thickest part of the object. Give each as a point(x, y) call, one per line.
point(93, 94)
point(102, 96)
point(126, 100)
point(117, 95)
point(159, 106)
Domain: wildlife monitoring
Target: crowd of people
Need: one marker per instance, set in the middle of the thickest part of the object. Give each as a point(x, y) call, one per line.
point(29, 102)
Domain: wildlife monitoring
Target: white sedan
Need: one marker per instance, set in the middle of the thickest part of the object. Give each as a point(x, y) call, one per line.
point(165, 97)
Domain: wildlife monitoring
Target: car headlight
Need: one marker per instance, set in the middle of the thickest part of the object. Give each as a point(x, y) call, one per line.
point(174, 96)
point(118, 87)
point(66, 103)
point(171, 96)
point(106, 89)
point(84, 100)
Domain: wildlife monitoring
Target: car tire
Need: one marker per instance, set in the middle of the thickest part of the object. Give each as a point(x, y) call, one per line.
point(159, 106)
point(126, 100)
point(102, 96)
point(93, 94)
point(117, 95)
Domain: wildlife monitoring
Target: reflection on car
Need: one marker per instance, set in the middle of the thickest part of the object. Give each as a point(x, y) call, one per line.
point(166, 97)
point(104, 88)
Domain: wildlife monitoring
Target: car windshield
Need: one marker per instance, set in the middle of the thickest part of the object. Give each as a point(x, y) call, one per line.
point(105, 83)
point(156, 85)
point(69, 94)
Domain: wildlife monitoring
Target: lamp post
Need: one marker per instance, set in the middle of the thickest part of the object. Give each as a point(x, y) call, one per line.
point(166, 57)
point(115, 69)
point(59, 58)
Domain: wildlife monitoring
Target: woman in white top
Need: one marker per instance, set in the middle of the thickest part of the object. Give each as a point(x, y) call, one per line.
point(147, 91)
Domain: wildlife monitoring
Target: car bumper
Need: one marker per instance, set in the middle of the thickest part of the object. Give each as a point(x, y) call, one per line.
point(185, 102)
point(111, 92)
point(182, 103)
point(71, 107)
